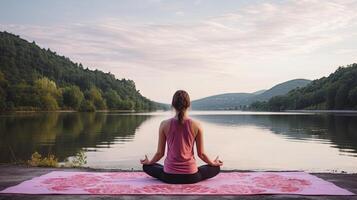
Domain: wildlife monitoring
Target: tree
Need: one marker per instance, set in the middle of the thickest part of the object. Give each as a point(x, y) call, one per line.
point(341, 98)
point(23, 95)
point(72, 97)
point(49, 102)
point(113, 99)
point(46, 86)
point(278, 103)
point(3, 80)
point(87, 106)
point(25, 66)
point(352, 97)
point(331, 94)
point(49, 94)
point(95, 96)
point(337, 91)
point(3, 85)
point(126, 105)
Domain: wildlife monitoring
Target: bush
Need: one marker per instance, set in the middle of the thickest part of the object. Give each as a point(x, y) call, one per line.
point(49, 102)
point(38, 161)
point(87, 106)
point(47, 86)
point(78, 160)
point(94, 95)
point(2, 99)
point(112, 99)
point(72, 97)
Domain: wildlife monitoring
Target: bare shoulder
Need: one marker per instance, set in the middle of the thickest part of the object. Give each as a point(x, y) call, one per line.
point(165, 125)
point(196, 125)
point(165, 122)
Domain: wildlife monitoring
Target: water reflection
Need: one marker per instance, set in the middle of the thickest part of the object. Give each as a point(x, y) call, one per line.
point(63, 134)
point(267, 141)
point(338, 130)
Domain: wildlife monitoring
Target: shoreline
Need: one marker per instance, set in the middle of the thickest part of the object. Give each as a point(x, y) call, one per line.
point(145, 111)
point(324, 111)
point(93, 169)
point(11, 175)
point(69, 111)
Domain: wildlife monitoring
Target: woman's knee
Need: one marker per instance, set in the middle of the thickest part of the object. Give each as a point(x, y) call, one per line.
point(146, 168)
point(213, 168)
point(208, 171)
point(217, 169)
point(154, 170)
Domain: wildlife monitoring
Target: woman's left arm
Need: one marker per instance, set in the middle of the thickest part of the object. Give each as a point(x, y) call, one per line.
point(160, 148)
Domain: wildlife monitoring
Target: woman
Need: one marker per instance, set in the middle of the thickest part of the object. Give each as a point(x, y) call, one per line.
point(180, 133)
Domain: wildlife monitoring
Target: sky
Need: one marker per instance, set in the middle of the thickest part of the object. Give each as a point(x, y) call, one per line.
point(205, 47)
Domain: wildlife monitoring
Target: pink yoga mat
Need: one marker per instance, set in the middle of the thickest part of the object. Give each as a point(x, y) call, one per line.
point(138, 183)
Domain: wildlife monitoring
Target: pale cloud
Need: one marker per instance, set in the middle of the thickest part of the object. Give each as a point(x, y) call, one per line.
point(180, 13)
point(223, 51)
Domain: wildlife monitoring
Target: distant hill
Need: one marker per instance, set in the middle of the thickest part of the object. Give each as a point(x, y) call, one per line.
point(32, 78)
point(235, 101)
point(338, 91)
point(280, 89)
point(220, 102)
point(259, 92)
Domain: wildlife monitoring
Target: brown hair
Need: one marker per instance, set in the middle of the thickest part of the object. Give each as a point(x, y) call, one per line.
point(181, 101)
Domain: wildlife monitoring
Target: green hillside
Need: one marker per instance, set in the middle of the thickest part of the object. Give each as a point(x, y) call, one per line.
point(280, 89)
point(338, 91)
point(32, 78)
point(220, 102)
point(238, 101)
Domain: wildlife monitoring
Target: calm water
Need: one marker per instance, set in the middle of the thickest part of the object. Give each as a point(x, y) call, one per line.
point(258, 141)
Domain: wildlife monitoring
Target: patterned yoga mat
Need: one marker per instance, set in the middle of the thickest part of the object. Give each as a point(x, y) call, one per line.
point(138, 183)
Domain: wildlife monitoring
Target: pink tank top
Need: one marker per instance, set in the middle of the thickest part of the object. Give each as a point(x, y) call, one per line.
point(180, 141)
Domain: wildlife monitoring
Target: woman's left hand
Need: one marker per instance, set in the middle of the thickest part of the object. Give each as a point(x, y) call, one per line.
point(145, 161)
point(217, 162)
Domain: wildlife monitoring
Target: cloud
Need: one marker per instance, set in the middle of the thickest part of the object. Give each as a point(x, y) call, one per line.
point(228, 43)
point(179, 13)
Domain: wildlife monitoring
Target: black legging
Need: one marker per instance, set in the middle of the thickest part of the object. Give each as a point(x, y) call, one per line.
point(204, 172)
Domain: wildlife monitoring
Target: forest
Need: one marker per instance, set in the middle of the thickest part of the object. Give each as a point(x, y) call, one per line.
point(32, 78)
point(338, 91)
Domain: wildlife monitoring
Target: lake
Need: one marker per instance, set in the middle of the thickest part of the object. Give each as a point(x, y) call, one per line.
point(243, 140)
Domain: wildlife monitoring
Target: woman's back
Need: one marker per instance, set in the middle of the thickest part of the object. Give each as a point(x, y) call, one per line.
point(180, 142)
point(180, 134)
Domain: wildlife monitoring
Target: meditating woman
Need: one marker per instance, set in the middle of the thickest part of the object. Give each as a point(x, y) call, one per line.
point(180, 133)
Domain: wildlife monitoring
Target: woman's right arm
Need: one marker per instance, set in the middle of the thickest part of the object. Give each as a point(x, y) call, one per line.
point(200, 149)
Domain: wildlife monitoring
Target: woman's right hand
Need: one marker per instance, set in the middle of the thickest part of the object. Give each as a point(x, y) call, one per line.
point(217, 162)
point(145, 161)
